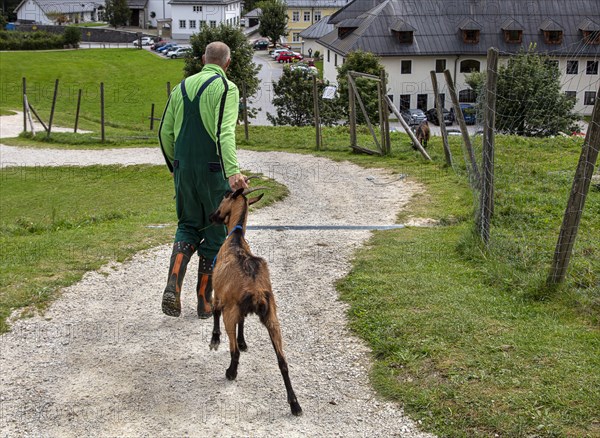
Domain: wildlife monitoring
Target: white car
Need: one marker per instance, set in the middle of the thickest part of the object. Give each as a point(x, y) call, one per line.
point(179, 52)
point(146, 41)
point(276, 52)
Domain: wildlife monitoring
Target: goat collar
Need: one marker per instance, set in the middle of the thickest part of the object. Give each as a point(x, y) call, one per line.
point(237, 227)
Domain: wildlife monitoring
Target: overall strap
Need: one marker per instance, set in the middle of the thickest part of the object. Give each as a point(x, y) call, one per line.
point(202, 88)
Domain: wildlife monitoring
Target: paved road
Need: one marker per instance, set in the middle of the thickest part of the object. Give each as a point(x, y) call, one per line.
point(270, 72)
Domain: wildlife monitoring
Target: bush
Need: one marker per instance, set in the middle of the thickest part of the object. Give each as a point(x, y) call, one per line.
point(317, 54)
point(12, 40)
point(72, 35)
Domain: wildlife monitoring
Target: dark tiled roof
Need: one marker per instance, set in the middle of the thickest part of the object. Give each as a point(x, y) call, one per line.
point(201, 2)
point(589, 25)
point(549, 24)
point(511, 24)
point(317, 30)
point(137, 4)
point(316, 3)
point(437, 26)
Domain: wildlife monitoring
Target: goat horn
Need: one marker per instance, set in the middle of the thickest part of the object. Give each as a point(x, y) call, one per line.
point(248, 178)
point(254, 189)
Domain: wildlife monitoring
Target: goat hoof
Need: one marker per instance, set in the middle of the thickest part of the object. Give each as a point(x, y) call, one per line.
point(230, 374)
point(214, 345)
point(296, 409)
point(242, 346)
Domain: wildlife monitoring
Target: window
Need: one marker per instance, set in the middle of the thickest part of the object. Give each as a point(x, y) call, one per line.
point(470, 36)
point(571, 95)
point(192, 24)
point(553, 36)
point(591, 68)
point(213, 23)
point(296, 37)
point(404, 102)
point(335, 59)
point(391, 97)
point(202, 23)
point(197, 8)
point(307, 16)
point(181, 24)
point(513, 36)
point(404, 37)
point(572, 67)
point(422, 102)
point(317, 15)
point(440, 65)
point(469, 66)
point(589, 98)
point(296, 16)
point(406, 67)
point(467, 96)
point(592, 37)
point(328, 56)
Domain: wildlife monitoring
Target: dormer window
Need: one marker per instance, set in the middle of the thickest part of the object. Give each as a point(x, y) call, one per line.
point(403, 31)
point(344, 31)
point(513, 31)
point(471, 36)
point(346, 27)
point(470, 30)
point(591, 31)
point(553, 33)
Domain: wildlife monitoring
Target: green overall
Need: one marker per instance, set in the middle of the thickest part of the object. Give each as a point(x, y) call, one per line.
point(199, 182)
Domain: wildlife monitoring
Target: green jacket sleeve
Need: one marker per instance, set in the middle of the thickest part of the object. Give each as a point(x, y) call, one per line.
point(166, 132)
point(225, 129)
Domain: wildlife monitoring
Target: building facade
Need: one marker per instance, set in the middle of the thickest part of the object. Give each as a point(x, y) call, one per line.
point(304, 13)
point(188, 16)
point(63, 12)
point(413, 39)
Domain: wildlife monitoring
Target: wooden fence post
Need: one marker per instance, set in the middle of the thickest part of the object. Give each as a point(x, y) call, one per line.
point(440, 114)
point(576, 203)
point(486, 204)
point(316, 112)
point(352, 114)
point(25, 105)
point(77, 112)
point(102, 112)
point(407, 129)
point(385, 114)
point(53, 107)
point(152, 118)
point(474, 176)
point(29, 115)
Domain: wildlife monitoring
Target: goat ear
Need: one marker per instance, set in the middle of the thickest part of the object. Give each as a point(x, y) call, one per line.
point(237, 193)
point(256, 199)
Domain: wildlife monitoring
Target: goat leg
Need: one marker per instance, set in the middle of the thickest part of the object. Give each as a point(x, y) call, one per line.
point(272, 325)
point(240, 337)
point(216, 334)
point(230, 319)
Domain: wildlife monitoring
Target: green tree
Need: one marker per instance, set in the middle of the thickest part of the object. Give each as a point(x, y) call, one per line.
point(529, 98)
point(117, 12)
point(242, 71)
point(72, 35)
point(273, 19)
point(364, 62)
point(294, 100)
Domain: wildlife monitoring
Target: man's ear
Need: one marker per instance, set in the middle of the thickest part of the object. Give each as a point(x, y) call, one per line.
point(203, 59)
point(227, 64)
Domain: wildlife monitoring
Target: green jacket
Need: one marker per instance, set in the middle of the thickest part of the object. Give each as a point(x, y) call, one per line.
point(210, 108)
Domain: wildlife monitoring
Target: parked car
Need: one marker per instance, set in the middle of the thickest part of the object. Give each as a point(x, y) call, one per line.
point(146, 41)
point(413, 116)
point(288, 56)
point(260, 45)
point(432, 116)
point(469, 113)
point(304, 67)
point(275, 53)
point(158, 44)
point(164, 49)
point(179, 52)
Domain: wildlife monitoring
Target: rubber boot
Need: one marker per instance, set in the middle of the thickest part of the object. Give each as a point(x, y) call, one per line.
point(171, 301)
point(204, 288)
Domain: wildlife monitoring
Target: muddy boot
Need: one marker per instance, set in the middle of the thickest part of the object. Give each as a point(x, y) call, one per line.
point(204, 288)
point(171, 301)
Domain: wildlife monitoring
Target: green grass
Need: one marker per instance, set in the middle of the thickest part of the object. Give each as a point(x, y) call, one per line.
point(58, 223)
point(133, 80)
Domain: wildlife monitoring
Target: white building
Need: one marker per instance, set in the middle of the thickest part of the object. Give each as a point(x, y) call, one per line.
point(65, 11)
point(411, 39)
point(190, 15)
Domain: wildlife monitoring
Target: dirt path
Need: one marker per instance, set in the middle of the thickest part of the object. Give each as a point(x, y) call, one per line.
point(104, 360)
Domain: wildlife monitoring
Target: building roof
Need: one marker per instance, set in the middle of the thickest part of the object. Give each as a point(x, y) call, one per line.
point(437, 26)
point(317, 30)
point(254, 13)
point(331, 4)
point(202, 2)
point(137, 4)
point(64, 6)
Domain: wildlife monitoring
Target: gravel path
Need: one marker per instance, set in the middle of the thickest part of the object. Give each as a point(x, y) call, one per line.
point(104, 361)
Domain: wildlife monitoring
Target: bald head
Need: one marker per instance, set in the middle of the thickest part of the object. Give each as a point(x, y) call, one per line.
point(217, 53)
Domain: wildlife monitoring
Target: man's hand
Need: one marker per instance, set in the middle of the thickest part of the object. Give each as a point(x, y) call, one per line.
point(237, 181)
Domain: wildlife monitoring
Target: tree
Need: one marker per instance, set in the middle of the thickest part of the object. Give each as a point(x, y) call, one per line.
point(242, 71)
point(294, 100)
point(364, 62)
point(273, 19)
point(117, 12)
point(529, 98)
point(72, 35)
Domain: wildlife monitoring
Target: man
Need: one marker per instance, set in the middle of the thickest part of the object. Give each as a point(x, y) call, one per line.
point(197, 138)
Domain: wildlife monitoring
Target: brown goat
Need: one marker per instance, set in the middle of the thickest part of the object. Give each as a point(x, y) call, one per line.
point(423, 133)
point(242, 285)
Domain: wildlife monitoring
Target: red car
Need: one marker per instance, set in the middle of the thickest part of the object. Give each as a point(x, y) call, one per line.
point(288, 56)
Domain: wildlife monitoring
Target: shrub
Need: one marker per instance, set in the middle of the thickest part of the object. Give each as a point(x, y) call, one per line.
point(72, 35)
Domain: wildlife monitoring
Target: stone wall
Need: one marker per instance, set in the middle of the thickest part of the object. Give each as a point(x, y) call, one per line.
point(88, 34)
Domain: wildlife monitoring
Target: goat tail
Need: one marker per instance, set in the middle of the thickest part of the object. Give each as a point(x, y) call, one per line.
point(259, 303)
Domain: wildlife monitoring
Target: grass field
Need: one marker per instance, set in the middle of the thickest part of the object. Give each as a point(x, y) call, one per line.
point(467, 339)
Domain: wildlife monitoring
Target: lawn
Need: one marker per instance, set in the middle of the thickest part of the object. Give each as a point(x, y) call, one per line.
point(468, 339)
